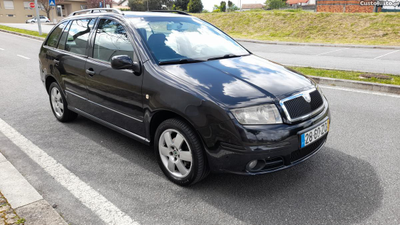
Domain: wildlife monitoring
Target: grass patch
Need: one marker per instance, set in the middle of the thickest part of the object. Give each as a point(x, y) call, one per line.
point(23, 31)
point(347, 75)
point(302, 26)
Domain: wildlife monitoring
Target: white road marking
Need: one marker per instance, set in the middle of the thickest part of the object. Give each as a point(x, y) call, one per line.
point(386, 54)
point(360, 91)
point(24, 57)
point(92, 199)
point(324, 53)
point(2, 49)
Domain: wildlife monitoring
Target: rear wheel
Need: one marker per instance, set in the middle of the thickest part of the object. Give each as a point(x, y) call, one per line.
point(59, 105)
point(180, 153)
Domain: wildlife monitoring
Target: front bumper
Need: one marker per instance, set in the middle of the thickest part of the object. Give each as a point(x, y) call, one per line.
point(275, 147)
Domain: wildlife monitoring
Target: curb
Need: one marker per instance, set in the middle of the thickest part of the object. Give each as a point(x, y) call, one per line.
point(24, 198)
point(23, 35)
point(386, 88)
point(316, 44)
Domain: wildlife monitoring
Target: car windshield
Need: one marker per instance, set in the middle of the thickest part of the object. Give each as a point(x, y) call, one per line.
point(185, 39)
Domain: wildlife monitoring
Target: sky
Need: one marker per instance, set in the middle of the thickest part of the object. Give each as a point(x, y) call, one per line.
point(209, 4)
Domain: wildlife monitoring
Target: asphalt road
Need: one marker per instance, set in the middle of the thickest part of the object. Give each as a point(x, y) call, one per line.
point(354, 179)
point(342, 58)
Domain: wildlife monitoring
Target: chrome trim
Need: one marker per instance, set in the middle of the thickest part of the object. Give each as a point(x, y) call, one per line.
point(281, 103)
point(113, 110)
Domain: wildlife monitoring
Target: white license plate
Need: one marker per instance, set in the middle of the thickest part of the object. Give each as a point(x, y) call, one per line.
point(314, 134)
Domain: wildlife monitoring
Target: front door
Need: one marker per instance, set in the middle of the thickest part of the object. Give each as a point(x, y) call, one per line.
point(115, 94)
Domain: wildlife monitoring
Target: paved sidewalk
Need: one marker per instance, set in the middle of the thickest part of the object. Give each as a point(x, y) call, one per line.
point(8, 216)
point(20, 203)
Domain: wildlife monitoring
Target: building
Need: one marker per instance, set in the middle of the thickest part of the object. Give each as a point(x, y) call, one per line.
point(246, 7)
point(300, 2)
point(18, 11)
point(358, 6)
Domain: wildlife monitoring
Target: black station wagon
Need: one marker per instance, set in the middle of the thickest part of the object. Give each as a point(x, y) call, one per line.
point(178, 83)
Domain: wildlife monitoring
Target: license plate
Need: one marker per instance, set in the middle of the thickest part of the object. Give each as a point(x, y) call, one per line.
point(314, 134)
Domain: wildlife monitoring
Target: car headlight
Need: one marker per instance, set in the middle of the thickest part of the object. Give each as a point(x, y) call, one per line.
point(262, 114)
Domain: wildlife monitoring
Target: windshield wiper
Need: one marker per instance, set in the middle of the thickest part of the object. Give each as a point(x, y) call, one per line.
point(180, 61)
point(224, 57)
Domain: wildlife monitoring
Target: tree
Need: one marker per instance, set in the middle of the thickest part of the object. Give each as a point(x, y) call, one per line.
point(96, 3)
point(141, 5)
point(232, 7)
point(222, 6)
point(195, 6)
point(44, 6)
point(137, 5)
point(275, 4)
point(216, 8)
point(180, 5)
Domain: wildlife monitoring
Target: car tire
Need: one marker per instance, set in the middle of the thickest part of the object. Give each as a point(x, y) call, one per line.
point(180, 153)
point(59, 104)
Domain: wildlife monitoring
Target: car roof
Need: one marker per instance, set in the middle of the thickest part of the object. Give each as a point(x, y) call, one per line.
point(152, 14)
point(127, 14)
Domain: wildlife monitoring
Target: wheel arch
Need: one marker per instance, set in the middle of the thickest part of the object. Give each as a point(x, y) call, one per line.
point(156, 118)
point(48, 81)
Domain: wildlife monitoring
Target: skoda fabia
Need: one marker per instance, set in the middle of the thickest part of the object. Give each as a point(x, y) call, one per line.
point(178, 83)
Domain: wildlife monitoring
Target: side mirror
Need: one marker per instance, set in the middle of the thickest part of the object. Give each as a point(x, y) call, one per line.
point(122, 62)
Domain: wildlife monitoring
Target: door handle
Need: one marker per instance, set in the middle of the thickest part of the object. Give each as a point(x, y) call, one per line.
point(90, 72)
point(56, 62)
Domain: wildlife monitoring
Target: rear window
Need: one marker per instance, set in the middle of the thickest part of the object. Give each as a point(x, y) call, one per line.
point(55, 35)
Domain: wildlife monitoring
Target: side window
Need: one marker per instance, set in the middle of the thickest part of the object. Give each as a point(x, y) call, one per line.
point(64, 35)
point(55, 35)
point(78, 36)
point(111, 40)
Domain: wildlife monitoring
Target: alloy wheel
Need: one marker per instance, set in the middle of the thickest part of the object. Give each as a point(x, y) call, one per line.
point(57, 102)
point(175, 153)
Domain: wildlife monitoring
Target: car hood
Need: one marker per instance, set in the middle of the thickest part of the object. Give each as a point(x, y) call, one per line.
point(240, 82)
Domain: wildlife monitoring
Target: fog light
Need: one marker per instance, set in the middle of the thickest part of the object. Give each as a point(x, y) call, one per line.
point(252, 164)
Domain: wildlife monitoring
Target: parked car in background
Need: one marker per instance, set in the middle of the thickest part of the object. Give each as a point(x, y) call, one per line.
point(180, 84)
point(43, 19)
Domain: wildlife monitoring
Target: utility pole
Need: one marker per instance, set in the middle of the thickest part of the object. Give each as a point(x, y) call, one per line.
point(55, 14)
point(147, 5)
point(38, 17)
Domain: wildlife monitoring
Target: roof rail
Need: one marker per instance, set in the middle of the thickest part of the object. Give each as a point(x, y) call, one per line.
point(172, 11)
point(96, 10)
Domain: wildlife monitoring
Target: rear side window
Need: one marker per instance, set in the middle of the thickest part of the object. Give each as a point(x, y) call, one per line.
point(111, 40)
point(63, 39)
point(78, 35)
point(55, 35)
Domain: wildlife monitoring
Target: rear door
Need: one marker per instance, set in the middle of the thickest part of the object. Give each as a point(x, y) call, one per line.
point(71, 60)
point(115, 94)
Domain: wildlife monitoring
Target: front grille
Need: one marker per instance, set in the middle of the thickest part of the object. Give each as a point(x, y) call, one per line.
point(298, 107)
point(303, 152)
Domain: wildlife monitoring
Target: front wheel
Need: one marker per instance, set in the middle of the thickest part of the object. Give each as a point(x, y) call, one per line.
point(59, 104)
point(180, 153)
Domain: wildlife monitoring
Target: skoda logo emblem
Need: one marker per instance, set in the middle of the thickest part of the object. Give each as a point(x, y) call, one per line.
point(307, 97)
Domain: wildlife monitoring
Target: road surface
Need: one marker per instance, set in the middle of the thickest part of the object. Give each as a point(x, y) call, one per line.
point(341, 58)
point(354, 179)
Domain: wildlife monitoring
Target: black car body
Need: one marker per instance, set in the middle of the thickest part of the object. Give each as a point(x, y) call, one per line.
point(135, 95)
